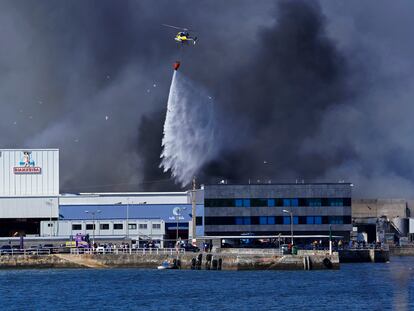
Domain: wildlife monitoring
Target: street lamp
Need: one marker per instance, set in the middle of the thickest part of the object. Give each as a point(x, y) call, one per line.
point(291, 224)
point(93, 213)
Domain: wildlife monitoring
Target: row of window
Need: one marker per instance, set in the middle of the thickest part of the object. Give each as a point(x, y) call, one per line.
point(277, 202)
point(277, 220)
point(116, 226)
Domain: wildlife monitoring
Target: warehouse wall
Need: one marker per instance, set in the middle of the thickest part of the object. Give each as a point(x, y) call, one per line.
point(43, 182)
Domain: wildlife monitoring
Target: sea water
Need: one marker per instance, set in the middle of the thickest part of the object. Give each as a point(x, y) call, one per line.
point(367, 286)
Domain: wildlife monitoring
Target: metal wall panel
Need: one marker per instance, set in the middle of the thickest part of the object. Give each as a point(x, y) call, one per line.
point(32, 183)
point(26, 207)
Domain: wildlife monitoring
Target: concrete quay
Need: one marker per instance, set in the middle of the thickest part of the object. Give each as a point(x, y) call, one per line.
point(188, 261)
point(364, 255)
point(407, 250)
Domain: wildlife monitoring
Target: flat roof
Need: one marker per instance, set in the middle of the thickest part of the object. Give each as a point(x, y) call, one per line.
point(280, 184)
point(110, 194)
point(31, 149)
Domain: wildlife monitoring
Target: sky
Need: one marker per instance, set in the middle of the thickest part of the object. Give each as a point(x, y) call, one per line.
point(319, 91)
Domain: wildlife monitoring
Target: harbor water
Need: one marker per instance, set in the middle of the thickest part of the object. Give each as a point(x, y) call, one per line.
point(381, 286)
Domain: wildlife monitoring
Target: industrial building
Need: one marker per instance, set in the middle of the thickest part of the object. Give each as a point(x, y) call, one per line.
point(140, 215)
point(31, 205)
point(382, 220)
point(269, 209)
point(29, 190)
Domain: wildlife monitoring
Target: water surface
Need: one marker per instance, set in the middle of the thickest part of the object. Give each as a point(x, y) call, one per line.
point(355, 287)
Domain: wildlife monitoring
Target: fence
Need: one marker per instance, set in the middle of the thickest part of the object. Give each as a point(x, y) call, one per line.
point(141, 251)
point(29, 251)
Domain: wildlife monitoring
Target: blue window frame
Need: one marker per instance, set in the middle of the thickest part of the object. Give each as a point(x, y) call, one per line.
point(239, 202)
point(295, 220)
point(271, 202)
point(286, 220)
point(286, 202)
point(263, 220)
point(246, 221)
point(310, 220)
point(271, 220)
point(294, 202)
point(246, 202)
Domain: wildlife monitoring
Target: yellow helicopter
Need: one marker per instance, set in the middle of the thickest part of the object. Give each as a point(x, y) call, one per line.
point(183, 36)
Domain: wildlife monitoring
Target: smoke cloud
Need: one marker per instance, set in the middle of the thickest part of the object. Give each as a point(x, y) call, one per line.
point(320, 91)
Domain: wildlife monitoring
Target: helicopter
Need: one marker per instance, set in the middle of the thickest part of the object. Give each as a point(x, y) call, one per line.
point(183, 36)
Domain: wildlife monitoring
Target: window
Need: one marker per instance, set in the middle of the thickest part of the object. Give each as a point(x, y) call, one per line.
point(258, 202)
point(335, 202)
point(310, 220)
point(271, 203)
point(218, 202)
point(50, 224)
point(242, 220)
point(104, 226)
point(314, 202)
point(286, 202)
point(271, 220)
point(263, 220)
point(246, 202)
point(142, 226)
point(286, 220)
point(76, 227)
point(239, 202)
point(132, 226)
point(90, 226)
point(318, 220)
point(199, 221)
point(335, 220)
point(156, 226)
point(118, 226)
point(294, 202)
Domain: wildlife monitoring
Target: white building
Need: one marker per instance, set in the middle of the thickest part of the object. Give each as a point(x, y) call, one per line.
point(29, 189)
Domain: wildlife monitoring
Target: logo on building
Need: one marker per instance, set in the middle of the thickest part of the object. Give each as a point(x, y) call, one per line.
point(27, 165)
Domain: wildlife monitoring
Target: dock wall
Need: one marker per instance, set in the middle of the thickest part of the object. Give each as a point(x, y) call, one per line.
point(151, 261)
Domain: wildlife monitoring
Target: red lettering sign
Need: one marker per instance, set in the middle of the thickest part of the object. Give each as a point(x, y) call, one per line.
point(27, 170)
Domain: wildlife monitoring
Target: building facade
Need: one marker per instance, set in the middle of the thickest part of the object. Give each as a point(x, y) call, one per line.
point(139, 215)
point(29, 189)
point(267, 209)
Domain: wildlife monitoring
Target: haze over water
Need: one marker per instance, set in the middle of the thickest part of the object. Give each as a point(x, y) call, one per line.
point(355, 287)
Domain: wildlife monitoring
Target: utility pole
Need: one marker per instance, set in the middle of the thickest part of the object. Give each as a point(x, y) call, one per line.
point(193, 212)
point(291, 224)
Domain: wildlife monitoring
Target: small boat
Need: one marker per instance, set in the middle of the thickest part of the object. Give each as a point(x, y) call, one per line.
point(165, 265)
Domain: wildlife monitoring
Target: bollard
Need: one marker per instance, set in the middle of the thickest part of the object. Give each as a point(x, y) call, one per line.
point(214, 264)
point(220, 263)
point(208, 261)
point(193, 263)
point(199, 261)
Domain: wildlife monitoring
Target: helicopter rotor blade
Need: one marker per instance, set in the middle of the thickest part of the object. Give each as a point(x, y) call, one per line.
point(175, 27)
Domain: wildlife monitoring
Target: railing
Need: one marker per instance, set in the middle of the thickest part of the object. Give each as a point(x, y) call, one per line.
point(26, 252)
point(141, 251)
